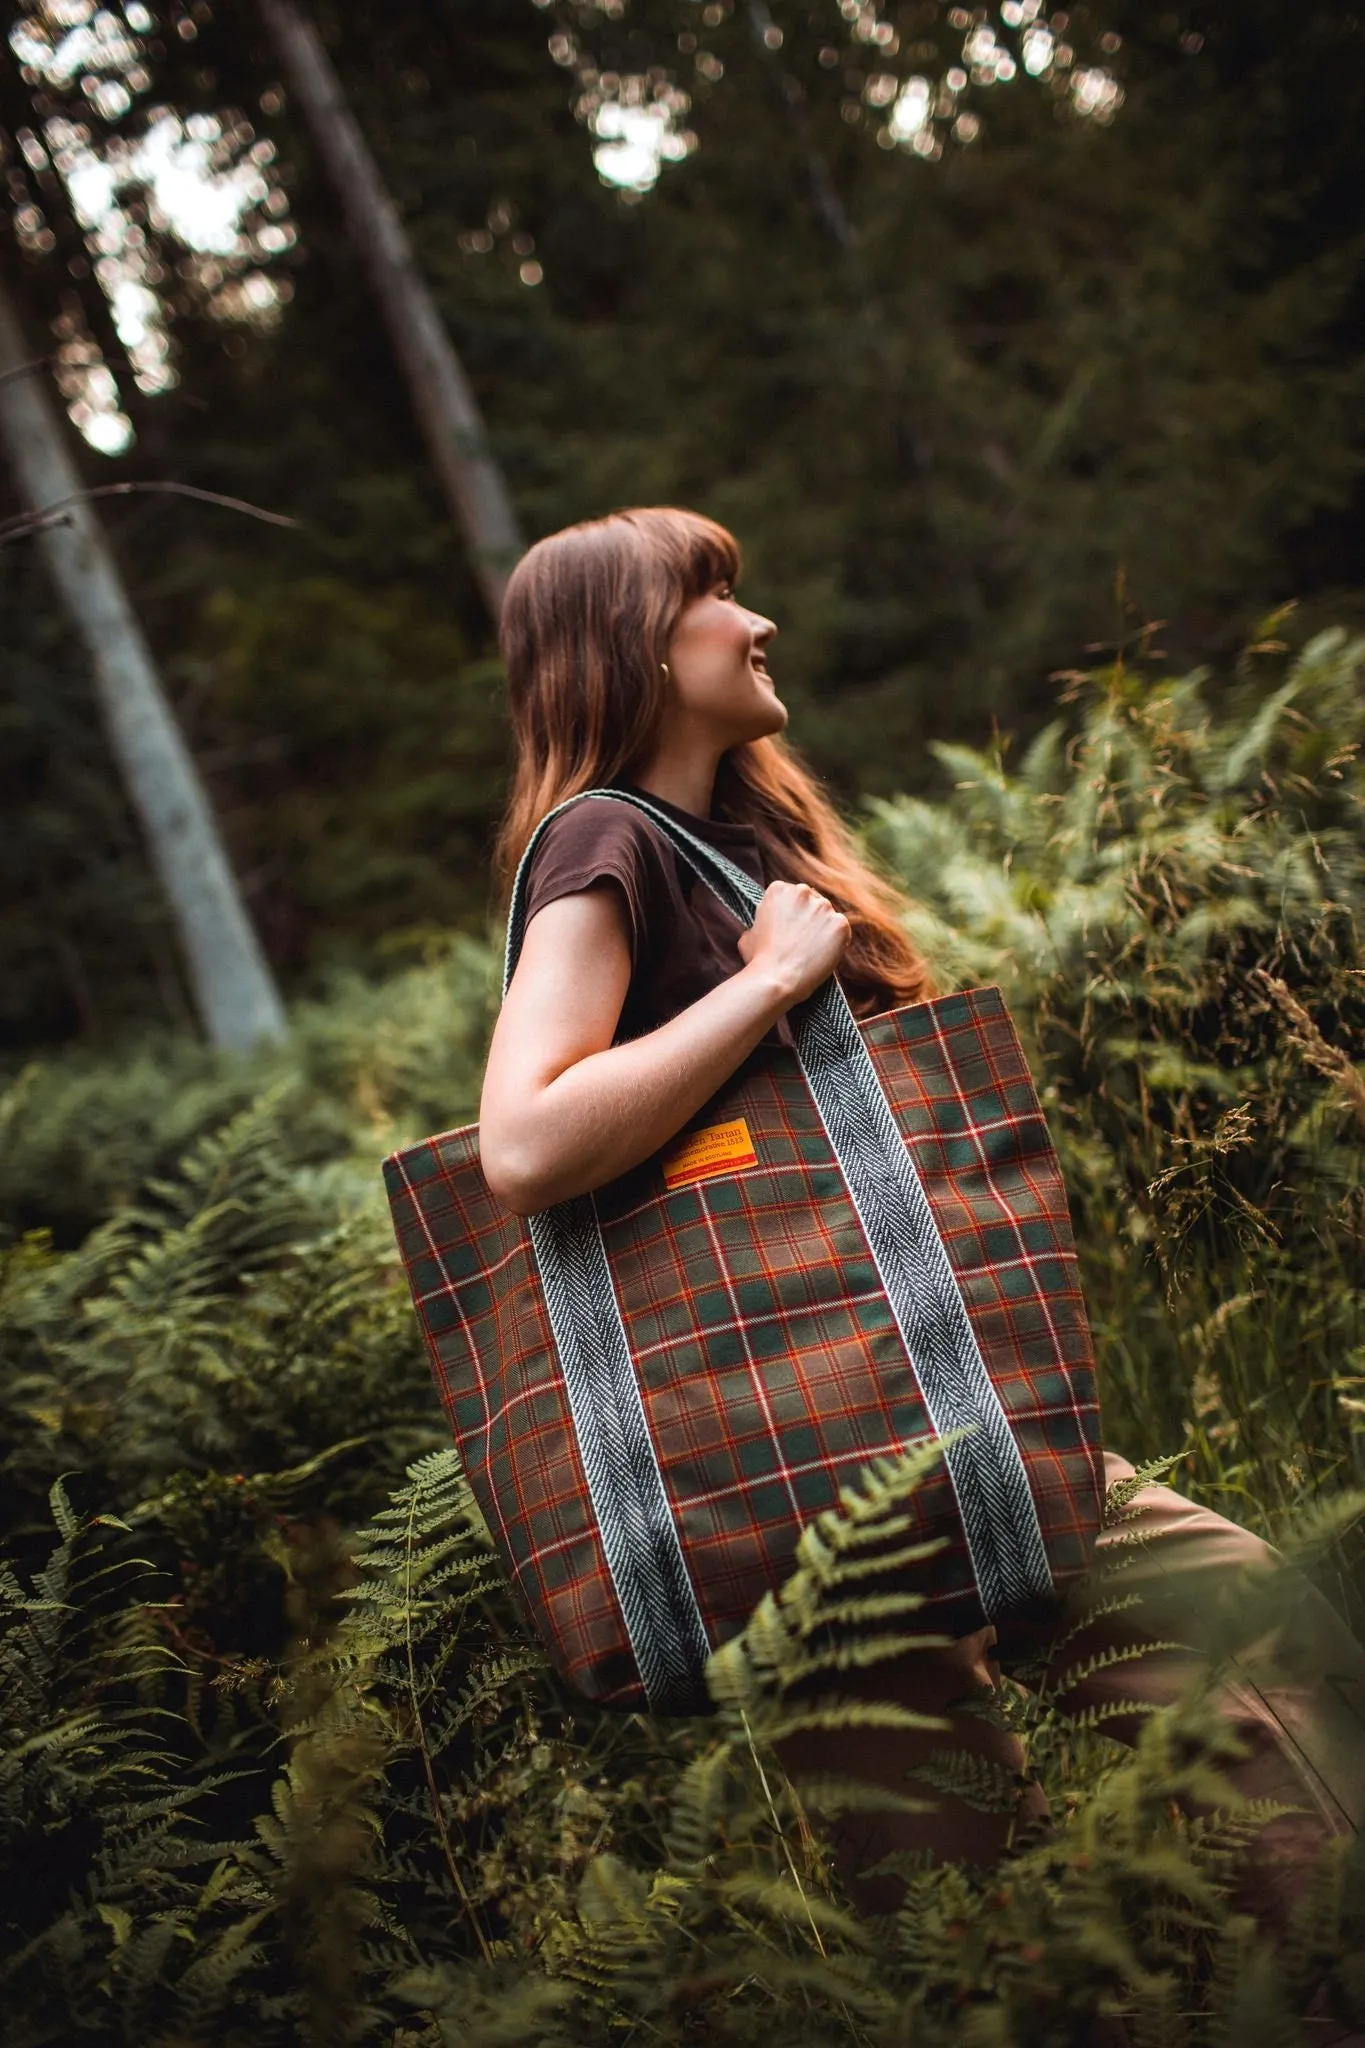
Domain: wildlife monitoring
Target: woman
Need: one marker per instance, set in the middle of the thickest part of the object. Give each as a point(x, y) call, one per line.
point(631, 662)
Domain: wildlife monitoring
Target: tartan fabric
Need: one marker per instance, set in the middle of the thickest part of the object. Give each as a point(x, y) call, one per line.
point(769, 1363)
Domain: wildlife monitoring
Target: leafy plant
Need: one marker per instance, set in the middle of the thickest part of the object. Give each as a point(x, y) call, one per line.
point(1171, 890)
point(268, 1780)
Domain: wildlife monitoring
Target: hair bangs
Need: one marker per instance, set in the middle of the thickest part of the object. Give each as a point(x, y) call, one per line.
point(710, 554)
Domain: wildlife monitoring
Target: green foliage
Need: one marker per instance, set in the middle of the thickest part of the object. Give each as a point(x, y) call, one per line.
point(80, 1136)
point(1064, 350)
point(112, 1881)
point(1171, 888)
point(84, 936)
point(375, 707)
point(266, 1780)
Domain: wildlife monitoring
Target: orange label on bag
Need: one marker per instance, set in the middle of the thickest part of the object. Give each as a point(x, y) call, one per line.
point(720, 1148)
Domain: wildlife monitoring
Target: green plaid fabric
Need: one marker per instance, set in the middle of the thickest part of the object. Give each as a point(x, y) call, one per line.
point(769, 1363)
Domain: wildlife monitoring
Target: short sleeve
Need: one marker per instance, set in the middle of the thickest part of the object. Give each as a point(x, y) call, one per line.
point(604, 842)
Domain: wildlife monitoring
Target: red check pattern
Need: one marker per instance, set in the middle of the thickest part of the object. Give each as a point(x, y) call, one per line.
point(770, 1366)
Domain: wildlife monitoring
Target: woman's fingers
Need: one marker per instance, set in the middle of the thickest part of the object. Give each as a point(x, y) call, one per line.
point(798, 935)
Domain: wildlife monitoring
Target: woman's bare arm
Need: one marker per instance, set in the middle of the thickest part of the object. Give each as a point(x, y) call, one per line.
point(564, 1109)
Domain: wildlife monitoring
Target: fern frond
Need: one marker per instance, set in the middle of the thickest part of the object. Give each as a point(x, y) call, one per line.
point(980, 1782)
point(1107, 1660)
point(833, 1712)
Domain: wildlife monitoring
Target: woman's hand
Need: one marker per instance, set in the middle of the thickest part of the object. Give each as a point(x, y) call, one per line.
point(797, 938)
point(564, 1108)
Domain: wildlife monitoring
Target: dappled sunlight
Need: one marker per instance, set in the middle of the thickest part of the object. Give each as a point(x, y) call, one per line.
point(638, 119)
point(167, 200)
point(172, 200)
point(636, 138)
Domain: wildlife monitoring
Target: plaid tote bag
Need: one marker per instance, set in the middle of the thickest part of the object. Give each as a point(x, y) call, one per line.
point(859, 1243)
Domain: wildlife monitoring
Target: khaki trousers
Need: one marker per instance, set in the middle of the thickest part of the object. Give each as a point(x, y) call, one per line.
point(1295, 1699)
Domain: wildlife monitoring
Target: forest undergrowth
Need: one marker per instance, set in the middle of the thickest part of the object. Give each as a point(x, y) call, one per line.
point(280, 1761)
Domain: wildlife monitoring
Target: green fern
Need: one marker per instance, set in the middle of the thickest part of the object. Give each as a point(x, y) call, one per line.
point(102, 1845)
point(264, 1781)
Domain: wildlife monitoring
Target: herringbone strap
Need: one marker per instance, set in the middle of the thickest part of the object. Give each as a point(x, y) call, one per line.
point(638, 1530)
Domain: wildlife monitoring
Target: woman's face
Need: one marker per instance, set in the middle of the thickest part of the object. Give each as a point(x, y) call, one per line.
point(717, 660)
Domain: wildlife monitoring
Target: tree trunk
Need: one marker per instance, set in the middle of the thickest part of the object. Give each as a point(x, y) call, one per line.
point(446, 407)
point(232, 985)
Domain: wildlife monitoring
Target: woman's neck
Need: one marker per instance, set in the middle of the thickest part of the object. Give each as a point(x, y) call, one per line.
point(687, 781)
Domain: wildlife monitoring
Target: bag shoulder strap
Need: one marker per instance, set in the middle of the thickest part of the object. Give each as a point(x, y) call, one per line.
point(984, 1462)
point(728, 882)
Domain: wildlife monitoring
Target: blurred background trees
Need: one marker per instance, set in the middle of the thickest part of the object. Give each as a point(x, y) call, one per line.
point(994, 334)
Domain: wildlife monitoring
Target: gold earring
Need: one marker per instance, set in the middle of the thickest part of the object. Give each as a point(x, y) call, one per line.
point(665, 671)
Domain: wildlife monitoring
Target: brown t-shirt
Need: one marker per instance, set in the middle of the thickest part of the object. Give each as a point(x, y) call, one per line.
point(683, 941)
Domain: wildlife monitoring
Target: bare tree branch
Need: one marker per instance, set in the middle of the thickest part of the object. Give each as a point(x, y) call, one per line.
point(55, 514)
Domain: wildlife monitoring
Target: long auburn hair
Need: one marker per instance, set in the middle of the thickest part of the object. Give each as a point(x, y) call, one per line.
point(585, 630)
